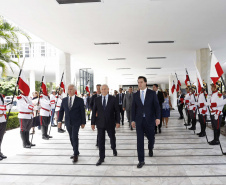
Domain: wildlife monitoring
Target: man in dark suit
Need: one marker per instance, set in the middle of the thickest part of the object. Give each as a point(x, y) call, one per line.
point(98, 93)
point(74, 110)
point(105, 116)
point(161, 100)
point(180, 104)
point(127, 105)
point(145, 116)
point(120, 98)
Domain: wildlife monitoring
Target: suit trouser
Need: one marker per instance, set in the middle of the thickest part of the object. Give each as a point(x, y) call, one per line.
point(188, 116)
point(73, 134)
point(2, 132)
point(101, 139)
point(121, 112)
point(180, 110)
point(128, 113)
point(160, 125)
point(25, 124)
point(149, 130)
point(52, 116)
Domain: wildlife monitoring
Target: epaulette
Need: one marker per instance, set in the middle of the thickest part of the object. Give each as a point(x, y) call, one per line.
point(41, 96)
point(219, 95)
point(19, 97)
point(196, 94)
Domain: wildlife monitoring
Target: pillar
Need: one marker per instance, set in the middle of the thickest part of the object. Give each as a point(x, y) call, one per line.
point(173, 96)
point(203, 63)
point(32, 82)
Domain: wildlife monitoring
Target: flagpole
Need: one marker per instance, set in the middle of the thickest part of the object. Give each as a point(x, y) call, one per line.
point(57, 94)
point(183, 106)
point(15, 89)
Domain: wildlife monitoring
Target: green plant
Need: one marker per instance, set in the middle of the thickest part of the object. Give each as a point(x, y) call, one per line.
point(9, 35)
point(8, 85)
point(13, 122)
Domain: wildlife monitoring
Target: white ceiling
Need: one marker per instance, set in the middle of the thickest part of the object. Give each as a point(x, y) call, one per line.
point(74, 28)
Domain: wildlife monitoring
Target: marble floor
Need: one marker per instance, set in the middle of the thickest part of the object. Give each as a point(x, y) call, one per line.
point(180, 157)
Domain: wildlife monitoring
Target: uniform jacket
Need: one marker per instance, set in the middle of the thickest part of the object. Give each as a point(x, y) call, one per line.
point(25, 107)
point(45, 109)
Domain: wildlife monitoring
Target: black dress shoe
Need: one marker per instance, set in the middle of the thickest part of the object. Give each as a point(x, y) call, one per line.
point(202, 135)
point(160, 131)
point(49, 136)
point(45, 138)
point(32, 144)
point(3, 156)
point(27, 146)
point(131, 128)
point(140, 164)
point(199, 133)
point(115, 152)
point(60, 131)
point(63, 130)
point(150, 153)
point(99, 162)
point(75, 159)
point(214, 142)
point(191, 128)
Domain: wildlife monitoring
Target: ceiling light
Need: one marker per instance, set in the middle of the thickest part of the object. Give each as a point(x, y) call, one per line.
point(160, 42)
point(117, 59)
point(122, 68)
point(156, 57)
point(106, 43)
point(76, 1)
point(153, 68)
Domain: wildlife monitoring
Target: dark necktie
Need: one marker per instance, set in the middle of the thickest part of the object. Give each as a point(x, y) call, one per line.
point(104, 103)
point(120, 99)
point(130, 96)
point(70, 103)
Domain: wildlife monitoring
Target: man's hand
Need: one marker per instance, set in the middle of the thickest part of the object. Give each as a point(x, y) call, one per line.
point(117, 125)
point(157, 121)
point(93, 127)
point(123, 109)
point(133, 124)
point(83, 126)
point(96, 114)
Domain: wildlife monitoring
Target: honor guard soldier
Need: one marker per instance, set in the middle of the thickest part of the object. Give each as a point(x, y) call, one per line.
point(53, 103)
point(180, 104)
point(59, 98)
point(216, 107)
point(187, 102)
point(202, 110)
point(45, 115)
point(192, 107)
point(25, 108)
point(2, 124)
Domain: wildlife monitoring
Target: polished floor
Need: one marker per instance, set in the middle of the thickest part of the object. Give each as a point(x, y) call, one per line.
point(180, 157)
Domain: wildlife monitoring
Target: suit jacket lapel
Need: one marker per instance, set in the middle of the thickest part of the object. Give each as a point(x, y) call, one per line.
point(139, 98)
point(109, 99)
point(146, 96)
point(100, 102)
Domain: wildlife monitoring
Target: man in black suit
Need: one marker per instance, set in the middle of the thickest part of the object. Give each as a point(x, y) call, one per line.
point(98, 93)
point(180, 104)
point(74, 110)
point(120, 98)
point(161, 100)
point(105, 116)
point(145, 116)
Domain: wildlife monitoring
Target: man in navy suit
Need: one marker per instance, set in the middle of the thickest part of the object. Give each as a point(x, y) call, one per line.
point(145, 116)
point(74, 110)
point(106, 117)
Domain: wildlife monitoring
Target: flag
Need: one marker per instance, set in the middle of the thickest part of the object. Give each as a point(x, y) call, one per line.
point(178, 85)
point(23, 84)
point(173, 88)
point(216, 70)
point(199, 79)
point(44, 88)
point(187, 80)
point(62, 85)
point(87, 87)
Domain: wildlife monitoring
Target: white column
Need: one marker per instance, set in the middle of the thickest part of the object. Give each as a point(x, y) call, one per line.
point(203, 62)
point(64, 65)
point(173, 96)
point(32, 82)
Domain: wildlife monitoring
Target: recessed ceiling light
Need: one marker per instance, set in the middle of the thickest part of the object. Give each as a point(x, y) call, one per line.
point(76, 1)
point(106, 43)
point(117, 59)
point(156, 57)
point(153, 68)
point(122, 68)
point(159, 42)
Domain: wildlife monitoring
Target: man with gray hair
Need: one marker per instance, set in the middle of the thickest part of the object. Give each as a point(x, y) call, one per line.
point(74, 110)
point(106, 117)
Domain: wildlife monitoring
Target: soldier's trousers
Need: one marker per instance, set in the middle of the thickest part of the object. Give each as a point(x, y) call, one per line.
point(44, 122)
point(25, 124)
point(193, 118)
point(202, 121)
point(2, 132)
point(216, 124)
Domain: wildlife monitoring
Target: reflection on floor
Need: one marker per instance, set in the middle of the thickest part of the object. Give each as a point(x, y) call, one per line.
point(180, 157)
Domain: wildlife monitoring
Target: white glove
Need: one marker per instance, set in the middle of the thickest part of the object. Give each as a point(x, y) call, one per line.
point(36, 107)
point(208, 103)
point(216, 116)
point(9, 106)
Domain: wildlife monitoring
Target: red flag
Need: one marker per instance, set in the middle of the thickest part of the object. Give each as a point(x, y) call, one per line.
point(173, 88)
point(44, 88)
point(178, 87)
point(76, 93)
point(23, 84)
point(187, 80)
point(62, 85)
point(87, 87)
point(216, 70)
